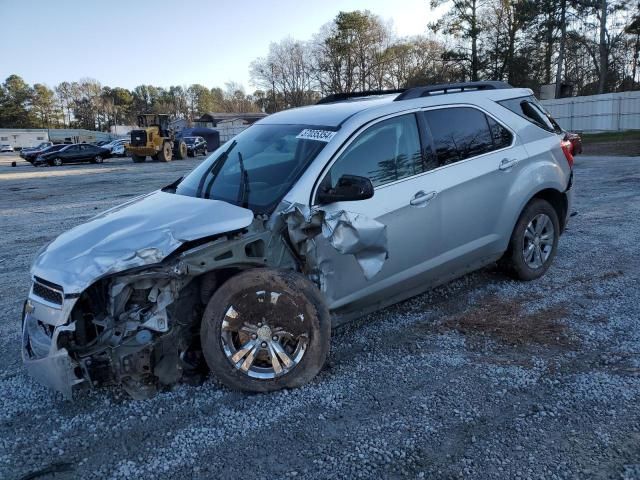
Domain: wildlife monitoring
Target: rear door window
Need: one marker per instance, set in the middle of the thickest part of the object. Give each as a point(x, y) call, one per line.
point(502, 137)
point(459, 133)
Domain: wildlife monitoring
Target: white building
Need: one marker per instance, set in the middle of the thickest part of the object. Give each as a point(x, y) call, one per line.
point(228, 124)
point(23, 137)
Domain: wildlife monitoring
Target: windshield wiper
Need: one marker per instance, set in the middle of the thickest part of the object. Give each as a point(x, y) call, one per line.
point(214, 170)
point(243, 188)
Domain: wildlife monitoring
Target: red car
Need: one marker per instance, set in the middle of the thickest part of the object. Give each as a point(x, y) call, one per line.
point(576, 142)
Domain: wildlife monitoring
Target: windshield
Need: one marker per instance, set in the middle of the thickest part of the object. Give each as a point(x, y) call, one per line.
point(189, 140)
point(255, 169)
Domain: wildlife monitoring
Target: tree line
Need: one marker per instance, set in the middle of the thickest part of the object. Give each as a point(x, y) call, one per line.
point(590, 45)
point(88, 104)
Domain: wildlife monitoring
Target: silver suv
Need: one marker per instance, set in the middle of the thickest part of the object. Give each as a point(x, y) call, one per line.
point(309, 218)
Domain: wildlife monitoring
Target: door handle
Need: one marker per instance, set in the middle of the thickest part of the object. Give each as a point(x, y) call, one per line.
point(421, 198)
point(507, 163)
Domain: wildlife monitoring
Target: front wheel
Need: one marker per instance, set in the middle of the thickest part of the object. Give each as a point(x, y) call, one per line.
point(98, 159)
point(264, 330)
point(57, 162)
point(534, 241)
point(165, 154)
point(137, 158)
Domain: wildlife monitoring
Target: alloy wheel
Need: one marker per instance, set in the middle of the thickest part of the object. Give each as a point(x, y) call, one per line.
point(538, 242)
point(265, 336)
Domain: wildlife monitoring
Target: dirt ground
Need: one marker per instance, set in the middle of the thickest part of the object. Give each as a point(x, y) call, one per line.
point(485, 377)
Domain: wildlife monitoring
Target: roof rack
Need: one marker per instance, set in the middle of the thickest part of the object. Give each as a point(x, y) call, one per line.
point(341, 97)
point(417, 92)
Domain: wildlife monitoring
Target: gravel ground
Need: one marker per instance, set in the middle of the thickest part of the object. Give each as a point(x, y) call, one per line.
point(482, 378)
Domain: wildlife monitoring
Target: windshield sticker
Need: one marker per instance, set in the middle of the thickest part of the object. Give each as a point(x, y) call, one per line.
point(319, 135)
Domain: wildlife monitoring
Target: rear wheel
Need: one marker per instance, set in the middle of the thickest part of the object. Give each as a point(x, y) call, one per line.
point(137, 158)
point(181, 150)
point(264, 330)
point(534, 241)
point(165, 155)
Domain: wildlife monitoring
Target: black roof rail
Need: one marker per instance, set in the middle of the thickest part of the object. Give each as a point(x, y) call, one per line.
point(341, 97)
point(417, 92)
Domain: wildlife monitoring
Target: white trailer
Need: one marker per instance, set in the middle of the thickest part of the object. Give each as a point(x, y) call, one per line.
point(20, 138)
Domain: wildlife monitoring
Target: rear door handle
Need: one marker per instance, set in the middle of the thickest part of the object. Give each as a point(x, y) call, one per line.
point(507, 163)
point(421, 198)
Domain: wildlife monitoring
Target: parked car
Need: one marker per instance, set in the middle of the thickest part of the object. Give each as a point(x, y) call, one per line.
point(195, 146)
point(116, 147)
point(576, 142)
point(308, 218)
point(6, 148)
point(40, 146)
point(32, 155)
point(80, 152)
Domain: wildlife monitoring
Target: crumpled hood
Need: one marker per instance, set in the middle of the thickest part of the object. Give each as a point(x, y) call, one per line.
point(141, 232)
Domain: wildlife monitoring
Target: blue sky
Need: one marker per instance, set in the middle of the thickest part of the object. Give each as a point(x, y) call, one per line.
point(208, 42)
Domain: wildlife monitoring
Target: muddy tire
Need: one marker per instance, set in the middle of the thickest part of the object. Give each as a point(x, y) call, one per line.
point(533, 243)
point(181, 150)
point(137, 158)
point(165, 154)
point(264, 330)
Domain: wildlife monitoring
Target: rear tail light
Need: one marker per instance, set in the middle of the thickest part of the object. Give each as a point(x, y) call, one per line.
point(567, 149)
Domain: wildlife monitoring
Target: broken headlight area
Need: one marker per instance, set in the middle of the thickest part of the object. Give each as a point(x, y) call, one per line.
point(140, 331)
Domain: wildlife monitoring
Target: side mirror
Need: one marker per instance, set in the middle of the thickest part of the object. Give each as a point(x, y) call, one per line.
point(348, 188)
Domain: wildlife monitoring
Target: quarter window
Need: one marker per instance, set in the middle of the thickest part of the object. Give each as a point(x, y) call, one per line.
point(530, 109)
point(385, 152)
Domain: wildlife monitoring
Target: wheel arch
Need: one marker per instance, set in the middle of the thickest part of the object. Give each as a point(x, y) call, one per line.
point(549, 192)
point(558, 201)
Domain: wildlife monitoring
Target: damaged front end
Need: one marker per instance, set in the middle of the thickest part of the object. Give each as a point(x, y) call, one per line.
point(139, 328)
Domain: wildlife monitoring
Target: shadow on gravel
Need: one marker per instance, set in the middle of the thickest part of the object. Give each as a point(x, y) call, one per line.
point(508, 322)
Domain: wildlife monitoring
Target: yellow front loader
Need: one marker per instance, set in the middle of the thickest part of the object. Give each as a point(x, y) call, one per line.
point(155, 139)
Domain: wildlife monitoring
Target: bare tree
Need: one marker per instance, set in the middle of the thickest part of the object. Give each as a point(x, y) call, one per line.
point(286, 71)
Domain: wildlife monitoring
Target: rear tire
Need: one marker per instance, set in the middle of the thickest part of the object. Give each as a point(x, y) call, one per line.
point(534, 241)
point(166, 154)
point(181, 150)
point(264, 330)
point(137, 158)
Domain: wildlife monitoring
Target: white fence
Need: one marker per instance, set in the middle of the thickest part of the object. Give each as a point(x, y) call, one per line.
point(610, 112)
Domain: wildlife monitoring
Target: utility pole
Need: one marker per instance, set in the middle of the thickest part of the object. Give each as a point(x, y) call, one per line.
point(563, 37)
